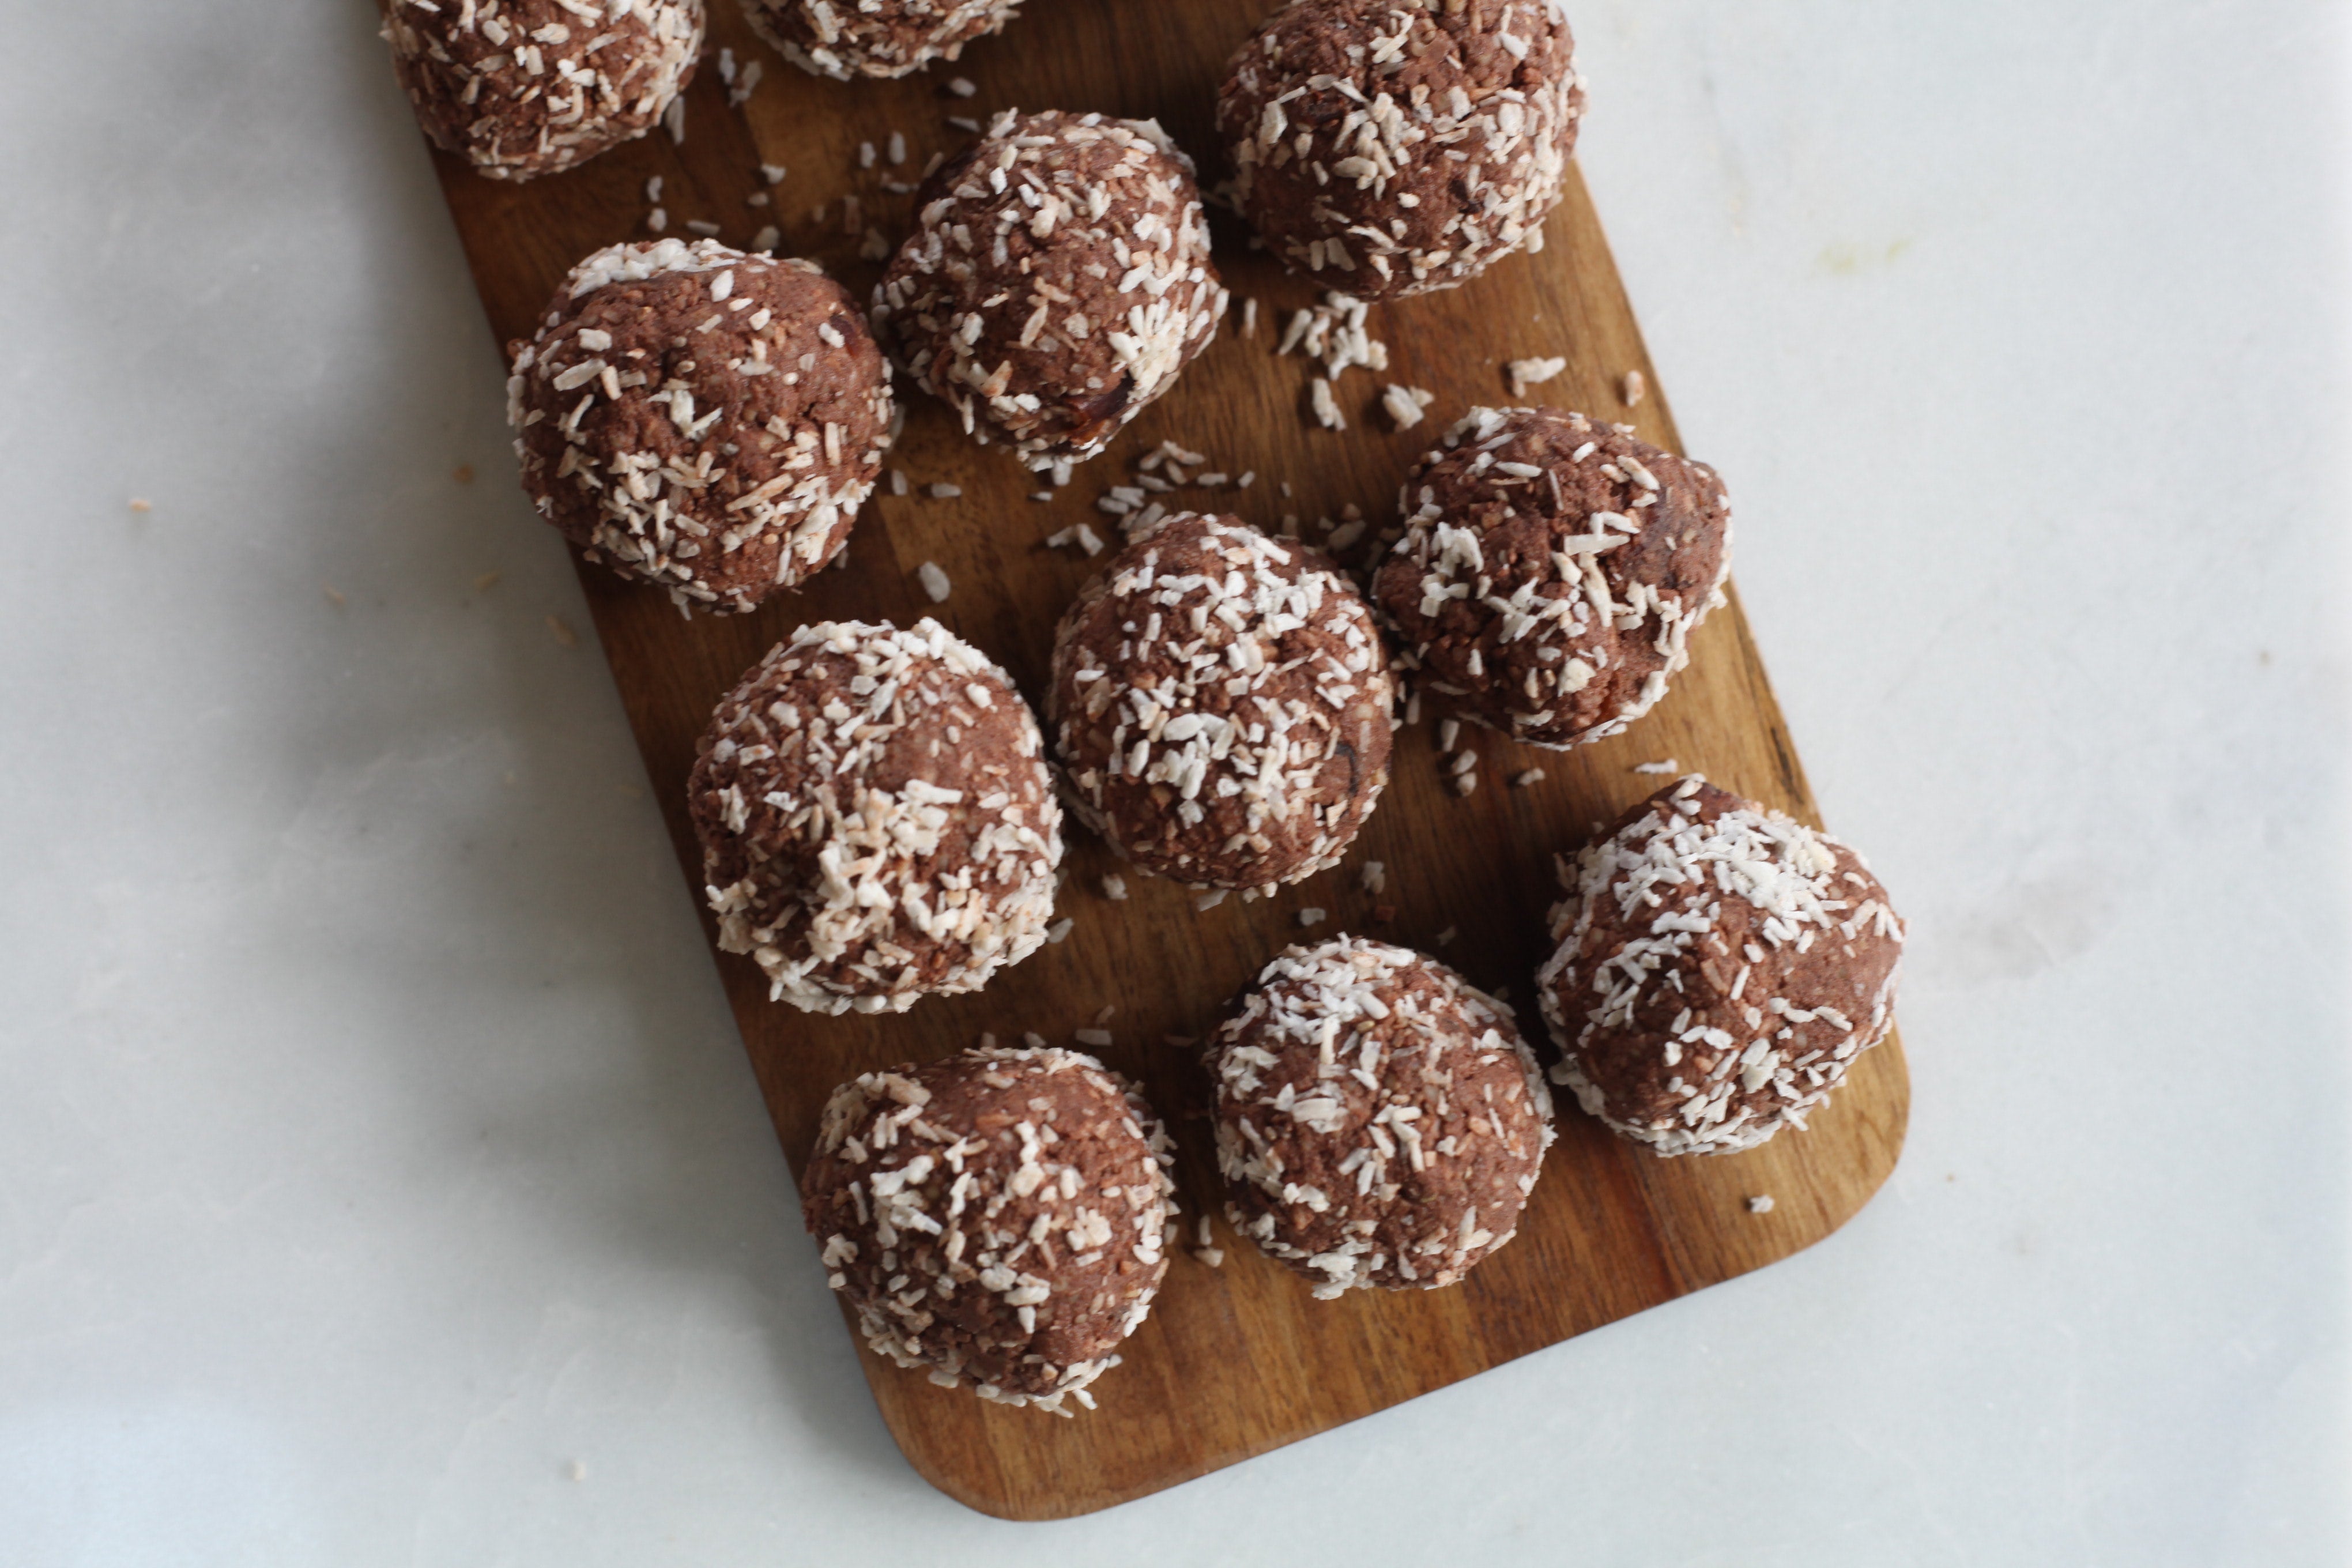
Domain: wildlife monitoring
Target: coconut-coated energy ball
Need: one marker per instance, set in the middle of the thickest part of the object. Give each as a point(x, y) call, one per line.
point(1720, 968)
point(1221, 705)
point(1390, 147)
point(850, 38)
point(522, 88)
point(1551, 571)
point(1057, 280)
point(876, 818)
point(1379, 1120)
point(700, 418)
point(1001, 1217)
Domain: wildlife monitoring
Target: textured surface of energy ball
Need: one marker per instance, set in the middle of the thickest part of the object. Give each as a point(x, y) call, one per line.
point(522, 88)
point(1390, 147)
point(1001, 1217)
point(1057, 280)
point(1379, 1121)
point(849, 39)
point(700, 418)
point(1221, 705)
point(877, 817)
point(1551, 572)
point(1720, 968)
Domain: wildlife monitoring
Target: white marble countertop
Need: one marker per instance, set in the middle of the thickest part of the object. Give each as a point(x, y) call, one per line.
point(381, 1181)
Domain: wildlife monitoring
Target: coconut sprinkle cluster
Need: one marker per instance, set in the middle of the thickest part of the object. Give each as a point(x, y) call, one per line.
point(1057, 280)
point(1001, 1217)
point(1391, 147)
point(1720, 968)
point(876, 818)
point(523, 88)
point(700, 418)
point(1221, 703)
point(1551, 571)
point(1380, 1122)
point(849, 38)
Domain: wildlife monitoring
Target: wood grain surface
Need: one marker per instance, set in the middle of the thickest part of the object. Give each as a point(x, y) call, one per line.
point(1237, 1360)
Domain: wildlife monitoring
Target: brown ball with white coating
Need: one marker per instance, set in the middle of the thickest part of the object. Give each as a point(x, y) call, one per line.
point(849, 38)
point(702, 418)
point(1221, 705)
point(1551, 571)
point(877, 817)
point(1380, 1122)
point(524, 88)
point(1001, 1217)
point(1393, 147)
point(1719, 967)
point(1057, 281)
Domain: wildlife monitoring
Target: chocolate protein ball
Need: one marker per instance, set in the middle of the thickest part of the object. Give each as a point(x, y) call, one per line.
point(877, 821)
point(1390, 147)
point(1720, 968)
point(847, 38)
point(1057, 279)
point(1379, 1121)
point(1551, 572)
point(1001, 1217)
point(1221, 705)
point(703, 419)
point(522, 88)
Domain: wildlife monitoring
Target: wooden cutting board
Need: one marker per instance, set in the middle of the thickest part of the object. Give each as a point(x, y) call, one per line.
point(1235, 1360)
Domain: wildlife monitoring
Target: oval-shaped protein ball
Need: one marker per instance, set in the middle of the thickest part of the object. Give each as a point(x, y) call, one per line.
point(1001, 1217)
point(849, 38)
point(1720, 968)
point(707, 420)
point(1390, 147)
point(1379, 1120)
point(522, 88)
point(1057, 279)
point(1221, 705)
point(877, 817)
point(1551, 572)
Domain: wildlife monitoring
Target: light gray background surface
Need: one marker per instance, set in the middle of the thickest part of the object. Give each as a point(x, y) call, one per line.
point(374, 1144)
